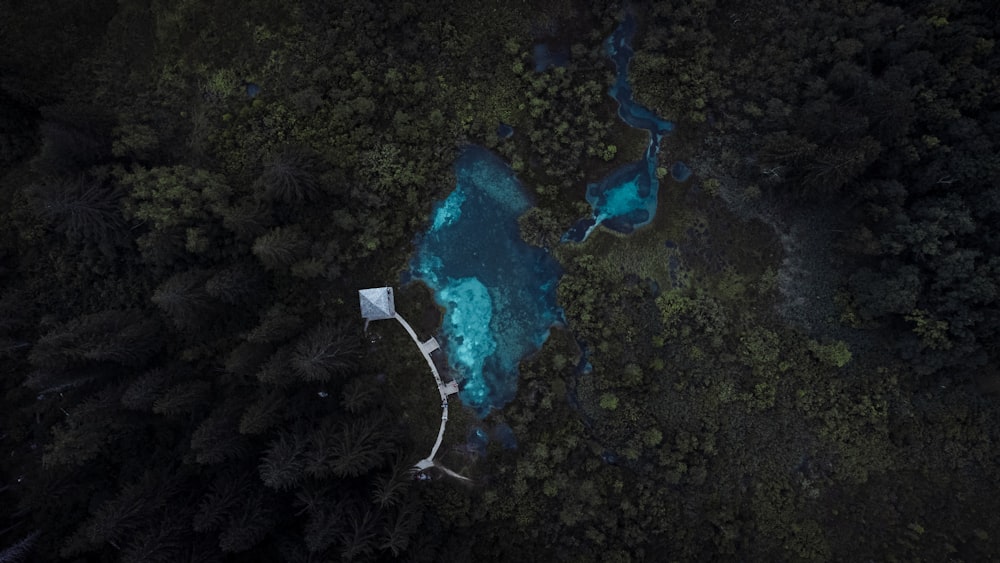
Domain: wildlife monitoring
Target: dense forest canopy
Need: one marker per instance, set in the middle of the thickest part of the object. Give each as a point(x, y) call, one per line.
point(796, 360)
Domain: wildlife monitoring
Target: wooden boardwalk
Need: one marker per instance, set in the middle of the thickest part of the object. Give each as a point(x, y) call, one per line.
point(444, 390)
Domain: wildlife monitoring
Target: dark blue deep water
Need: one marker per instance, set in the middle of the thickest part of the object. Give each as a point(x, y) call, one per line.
point(499, 293)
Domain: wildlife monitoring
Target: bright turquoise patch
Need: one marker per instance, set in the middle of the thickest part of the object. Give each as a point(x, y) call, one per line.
point(449, 211)
point(467, 321)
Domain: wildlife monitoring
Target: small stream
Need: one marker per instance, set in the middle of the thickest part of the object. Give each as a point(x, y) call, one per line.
point(626, 199)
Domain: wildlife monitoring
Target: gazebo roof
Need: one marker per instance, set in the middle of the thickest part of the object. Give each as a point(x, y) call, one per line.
point(377, 303)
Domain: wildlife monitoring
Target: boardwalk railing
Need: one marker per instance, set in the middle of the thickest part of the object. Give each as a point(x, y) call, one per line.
point(444, 389)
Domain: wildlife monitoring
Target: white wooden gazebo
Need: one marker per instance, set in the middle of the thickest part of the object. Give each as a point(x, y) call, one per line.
point(377, 304)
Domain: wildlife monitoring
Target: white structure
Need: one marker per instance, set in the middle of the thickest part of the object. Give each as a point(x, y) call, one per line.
point(377, 304)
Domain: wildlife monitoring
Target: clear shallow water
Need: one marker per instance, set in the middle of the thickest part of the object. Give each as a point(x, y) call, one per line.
point(626, 199)
point(498, 292)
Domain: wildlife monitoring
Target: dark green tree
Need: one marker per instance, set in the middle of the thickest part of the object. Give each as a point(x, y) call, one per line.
point(277, 369)
point(130, 339)
point(358, 447)
point(142, 393)
point(358, 395)
point(129, 511)
point(247, 358)
point(401, 524)
point(328, 349)
point(47, 381)
point(247, 526)
point(216, 439)
point(264, 414)
point(19, 551)
point(183, 298)
point(173, 197)
point(312, 497)
point(81, 208)
point(282, 466)
point(390, 488)
point(277, 323)
point(135, 141)
point(246, 218)
point(16, 131)
point(10, 348)
point(832, 168)
point(540, 227)
point(164, 540)
point(884, 293)
point(162, 249)
point(358, 539)
point(184, 397)
point(236, 284)
point(280, 247)
point(319, 450)
point(288, 176)
point(90, 429)
point(221, 501)
point(322, 529)
point(69, 149)
point(124, 337)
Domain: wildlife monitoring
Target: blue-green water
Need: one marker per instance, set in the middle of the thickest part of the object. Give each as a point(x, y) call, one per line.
point(498, 292)
point(626, 199)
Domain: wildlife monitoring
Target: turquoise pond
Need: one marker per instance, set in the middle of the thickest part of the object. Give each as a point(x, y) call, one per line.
point(499, 293)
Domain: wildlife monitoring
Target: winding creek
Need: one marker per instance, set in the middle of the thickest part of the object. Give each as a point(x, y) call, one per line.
point(499, 293)
point(626, 199)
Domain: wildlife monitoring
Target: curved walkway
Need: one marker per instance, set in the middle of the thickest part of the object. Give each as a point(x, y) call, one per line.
point(444, 389)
